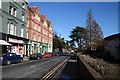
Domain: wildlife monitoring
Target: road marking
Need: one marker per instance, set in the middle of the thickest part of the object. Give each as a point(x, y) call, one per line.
point(32, 66)
point(15, 64)
point(71, 60)
point(53, 70)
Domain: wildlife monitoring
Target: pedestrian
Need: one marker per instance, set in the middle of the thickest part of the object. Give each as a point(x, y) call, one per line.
point(20, 51)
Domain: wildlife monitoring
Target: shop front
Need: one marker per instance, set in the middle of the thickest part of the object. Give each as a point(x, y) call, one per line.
point(35, 47)
point(49, 48)
point(44, 48)
point(18, 46)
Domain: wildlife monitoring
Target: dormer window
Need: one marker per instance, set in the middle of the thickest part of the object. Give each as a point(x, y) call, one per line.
point(10, 10)
point(13, 11)
point(37, 17)
point(50, 28)
point(23, 17)
point(23, 5)
point(45, 23)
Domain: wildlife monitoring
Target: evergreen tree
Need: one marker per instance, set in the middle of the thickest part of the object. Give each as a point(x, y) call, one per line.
point(77, 36)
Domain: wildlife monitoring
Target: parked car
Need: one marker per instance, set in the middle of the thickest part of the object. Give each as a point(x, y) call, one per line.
point(47, 55)
point(8, 58)
point(35, 56)
point(55, 54)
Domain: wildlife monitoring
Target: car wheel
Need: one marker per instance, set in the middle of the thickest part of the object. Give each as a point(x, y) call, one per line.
point(38, 58)
point(8, 62)
point(21, 60)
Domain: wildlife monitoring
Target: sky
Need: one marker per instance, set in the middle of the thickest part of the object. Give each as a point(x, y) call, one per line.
point(66, 15)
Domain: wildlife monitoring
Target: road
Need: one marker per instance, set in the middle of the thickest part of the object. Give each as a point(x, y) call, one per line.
point(34, 69)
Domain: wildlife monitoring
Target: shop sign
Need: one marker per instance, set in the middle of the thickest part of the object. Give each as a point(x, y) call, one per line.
point(15, 41)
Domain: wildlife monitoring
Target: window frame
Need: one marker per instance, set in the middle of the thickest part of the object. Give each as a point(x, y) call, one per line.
point(8, 28)
point(22, 32)
point(12, 29)
point(23, 16)
point(23, 5)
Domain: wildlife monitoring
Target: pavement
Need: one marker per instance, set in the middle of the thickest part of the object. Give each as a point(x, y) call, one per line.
point(25, 58)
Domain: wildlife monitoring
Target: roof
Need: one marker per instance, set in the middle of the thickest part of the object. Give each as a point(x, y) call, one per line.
point(43, 17)
point(115, 36)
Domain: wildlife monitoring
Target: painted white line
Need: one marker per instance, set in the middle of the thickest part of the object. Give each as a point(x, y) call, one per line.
point(32, 66)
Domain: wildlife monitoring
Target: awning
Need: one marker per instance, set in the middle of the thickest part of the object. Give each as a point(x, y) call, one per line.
point(2, 42)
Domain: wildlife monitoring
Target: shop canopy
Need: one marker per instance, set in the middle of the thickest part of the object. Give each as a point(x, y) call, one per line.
point(2, 42)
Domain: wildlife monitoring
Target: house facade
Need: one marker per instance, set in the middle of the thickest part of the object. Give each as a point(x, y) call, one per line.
point(113, 45)
point(39, 32)
point(13, 28)
point(24, 28)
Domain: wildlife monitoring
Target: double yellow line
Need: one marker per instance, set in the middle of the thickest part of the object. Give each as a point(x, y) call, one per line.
point(53, 70)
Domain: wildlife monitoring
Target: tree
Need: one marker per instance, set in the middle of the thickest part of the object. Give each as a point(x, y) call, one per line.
point(94, 31)
point(59, 43)
point(77, 36)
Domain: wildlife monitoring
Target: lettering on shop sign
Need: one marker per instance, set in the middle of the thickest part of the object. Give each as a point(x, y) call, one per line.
point(15, 41)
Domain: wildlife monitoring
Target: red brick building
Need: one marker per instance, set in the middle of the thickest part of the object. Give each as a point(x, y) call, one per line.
point(39, 32)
